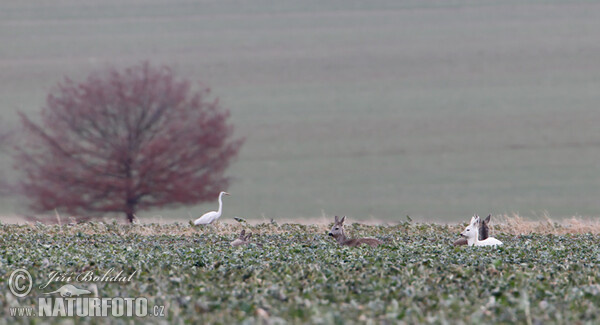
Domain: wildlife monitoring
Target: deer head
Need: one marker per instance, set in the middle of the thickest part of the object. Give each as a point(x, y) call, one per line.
point(337, 231)
point(484, 230)
point(472, 230)
point(243, 236)
point(243, 239)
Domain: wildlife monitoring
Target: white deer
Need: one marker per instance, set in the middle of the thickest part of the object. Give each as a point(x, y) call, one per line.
point(471, 233)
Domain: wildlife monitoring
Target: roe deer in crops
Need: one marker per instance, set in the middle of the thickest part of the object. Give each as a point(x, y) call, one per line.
point(471, 233)
point(484, 231)
point(243, 239)
point(337, 232)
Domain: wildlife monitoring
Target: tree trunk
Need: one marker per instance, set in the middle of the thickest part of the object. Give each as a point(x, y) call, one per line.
point(130, 217)
point(130, 202)
point(130, 210)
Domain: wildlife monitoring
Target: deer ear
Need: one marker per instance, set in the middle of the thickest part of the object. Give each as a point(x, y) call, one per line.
point(249, 235)
point(243, 232)
point(487, 219)
point(343, 219)
point(337, 219)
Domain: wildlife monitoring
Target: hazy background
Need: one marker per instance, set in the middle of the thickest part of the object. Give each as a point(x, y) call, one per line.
point(371, 109)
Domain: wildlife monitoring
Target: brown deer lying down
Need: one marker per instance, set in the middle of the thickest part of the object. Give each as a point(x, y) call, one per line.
point(337, 232)
point(484, 231)
point(242, 240)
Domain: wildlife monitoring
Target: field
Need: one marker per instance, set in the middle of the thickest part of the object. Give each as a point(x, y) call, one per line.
point(293, 273)
point(374, 109)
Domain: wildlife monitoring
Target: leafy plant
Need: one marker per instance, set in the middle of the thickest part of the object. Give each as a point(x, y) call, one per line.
point(294, 273)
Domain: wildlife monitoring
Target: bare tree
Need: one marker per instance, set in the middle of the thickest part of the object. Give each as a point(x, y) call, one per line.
point(126, 140)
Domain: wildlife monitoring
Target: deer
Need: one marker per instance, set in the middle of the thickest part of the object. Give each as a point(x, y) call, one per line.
point(471, 233)
point(484, 231)
point(243, 239)
point(337, 232)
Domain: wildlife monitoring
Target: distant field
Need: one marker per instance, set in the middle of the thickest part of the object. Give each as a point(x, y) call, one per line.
point(293, 273)
point(375, 109)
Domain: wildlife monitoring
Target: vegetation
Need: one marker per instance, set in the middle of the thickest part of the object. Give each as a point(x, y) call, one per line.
point(126, 140)
point(296, 273)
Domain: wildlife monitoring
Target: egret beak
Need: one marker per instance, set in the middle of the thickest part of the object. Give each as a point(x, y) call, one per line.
point(226, 193)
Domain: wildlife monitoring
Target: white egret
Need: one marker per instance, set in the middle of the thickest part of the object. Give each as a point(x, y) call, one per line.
point(211, 216)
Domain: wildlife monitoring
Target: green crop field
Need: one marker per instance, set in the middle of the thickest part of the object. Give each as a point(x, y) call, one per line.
point(373, 109)
point(296, 274)
point(376, 110)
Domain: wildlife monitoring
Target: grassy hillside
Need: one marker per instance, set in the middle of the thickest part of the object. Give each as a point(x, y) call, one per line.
point(379, 108)
point(295, 273)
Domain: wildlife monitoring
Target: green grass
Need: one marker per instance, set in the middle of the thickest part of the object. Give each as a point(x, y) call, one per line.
point(297, 274)
point(380, 108)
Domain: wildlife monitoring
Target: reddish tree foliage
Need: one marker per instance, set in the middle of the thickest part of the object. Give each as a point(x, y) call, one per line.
point(123, 141)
